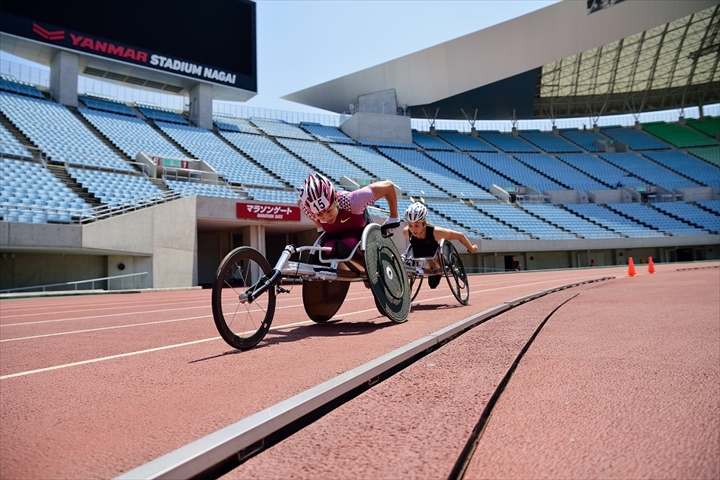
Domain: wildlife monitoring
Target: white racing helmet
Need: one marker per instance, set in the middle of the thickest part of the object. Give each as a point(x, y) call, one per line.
point(416, 212)
point(317, 193)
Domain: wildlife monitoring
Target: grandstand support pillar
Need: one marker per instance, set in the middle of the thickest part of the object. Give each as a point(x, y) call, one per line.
point(201, 97)
point(64, 69)
point(254, 236)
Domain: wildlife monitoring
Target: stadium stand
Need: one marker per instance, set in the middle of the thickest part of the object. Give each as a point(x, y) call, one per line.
point(131, 135)
point(106, 105)
point(476, 172)
point(9, 145)
point(518, 172)
point(559, 171)
point(271, 156)
point(280, 128)
point(234, 124)
point(153, 112)
point(116, 190)
point(427, 142)
point(612, 220)
point(678, 135)
point(658, 220)
point(431, 171)
point(684, 164)
point(692, 214)
point(558, 216)
point(524, 222)
point(29, 192)
point(58, 133)
point(635, 139)
point(601, 170)
point(466, 143)
point(710, 155)
point(381, 169)
point(205, 145)
point(8, 83)
point(584, 139)
point(710, 126)
point(326, 134)
point(325, 160)
point(507, 143)
point(550, 143)
point(647, 170)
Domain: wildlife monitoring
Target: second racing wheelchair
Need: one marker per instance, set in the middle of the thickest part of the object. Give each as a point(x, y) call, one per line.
point(245, 285)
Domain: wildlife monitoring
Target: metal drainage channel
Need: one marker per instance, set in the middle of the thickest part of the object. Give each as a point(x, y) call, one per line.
point(220, 452)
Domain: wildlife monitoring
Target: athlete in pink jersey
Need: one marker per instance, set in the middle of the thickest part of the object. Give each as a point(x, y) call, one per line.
point(341, 215)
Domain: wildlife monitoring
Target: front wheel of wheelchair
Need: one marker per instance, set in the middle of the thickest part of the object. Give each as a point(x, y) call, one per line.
point(387, 275)
point(415, 283)
point(455, 273)
point(242, 323)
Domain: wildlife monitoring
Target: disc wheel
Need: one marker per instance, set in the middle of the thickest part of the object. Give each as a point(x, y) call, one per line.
point(242, 323)
point(455, 273)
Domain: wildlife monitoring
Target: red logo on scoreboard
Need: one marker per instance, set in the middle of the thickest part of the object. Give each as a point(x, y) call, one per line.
point(54, 35)
point(262, 211)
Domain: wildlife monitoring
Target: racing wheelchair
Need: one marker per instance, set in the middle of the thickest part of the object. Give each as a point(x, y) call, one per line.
point(446, 262)
point(245, 286)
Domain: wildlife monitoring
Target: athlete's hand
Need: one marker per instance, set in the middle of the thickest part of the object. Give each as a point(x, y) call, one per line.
point(389, 221)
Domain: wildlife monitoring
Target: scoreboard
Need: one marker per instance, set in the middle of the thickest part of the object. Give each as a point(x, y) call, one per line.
point(209, 40)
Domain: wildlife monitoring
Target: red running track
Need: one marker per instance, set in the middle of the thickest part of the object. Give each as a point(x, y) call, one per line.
point(623, 381)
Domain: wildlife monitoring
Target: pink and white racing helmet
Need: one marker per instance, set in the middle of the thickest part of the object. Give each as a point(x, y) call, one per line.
point(317, 193)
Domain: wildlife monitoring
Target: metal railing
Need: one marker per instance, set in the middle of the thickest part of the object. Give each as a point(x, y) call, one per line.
point(57, 287)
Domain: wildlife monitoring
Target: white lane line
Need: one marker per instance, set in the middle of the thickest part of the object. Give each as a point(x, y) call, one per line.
point(151, 350)
point(103, 328)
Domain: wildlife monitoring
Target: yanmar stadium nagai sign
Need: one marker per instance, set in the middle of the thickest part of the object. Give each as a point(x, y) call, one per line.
point(261, 211)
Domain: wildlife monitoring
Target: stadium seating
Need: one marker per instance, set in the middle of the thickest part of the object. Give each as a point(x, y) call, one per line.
point(131, 134)
point(684, 164)
point(678, 135)
point(518, 172)
point(508, 143)
point(710, 126)
point(550, 143)
point(233, 124)
point(58, 133)
point(280, 128)
point(692, 214)
point(325, 160)
point(106, 105)
point(601, 170)
point(559, 216)
point(635, 139)
point(466, 143)
point(710, 155)
point(29, 192)
point(649, 171)
point(189, 188)
point(156, 113)
point(612, 220)
point(559, 171)
point(13, 85)
point(205, 145)
point(427, 142)
point(382, 169)
point(475, 171)
point(427, 169)
point(326, 134)
point(584, 139)
point(658, 220)
point(9, 145)
point(117, 190)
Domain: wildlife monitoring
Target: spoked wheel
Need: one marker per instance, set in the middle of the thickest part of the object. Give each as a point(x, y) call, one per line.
point(455, 273)
point(242, 323)
point(415, 284)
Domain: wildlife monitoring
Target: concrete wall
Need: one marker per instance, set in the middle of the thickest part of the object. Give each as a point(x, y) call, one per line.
point(376, 127)
point(166, 233)
point(64, 78)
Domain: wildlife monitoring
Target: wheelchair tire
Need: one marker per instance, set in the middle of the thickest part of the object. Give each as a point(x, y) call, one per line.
point(242, 324)
point(322, 299)
point(415, 283)
point(455, 273)
point(387, 275)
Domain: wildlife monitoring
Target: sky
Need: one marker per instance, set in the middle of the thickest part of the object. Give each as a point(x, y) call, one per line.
point(301, 43)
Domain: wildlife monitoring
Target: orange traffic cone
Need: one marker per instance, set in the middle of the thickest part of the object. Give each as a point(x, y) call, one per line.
point(631, 268)
point(651, 265)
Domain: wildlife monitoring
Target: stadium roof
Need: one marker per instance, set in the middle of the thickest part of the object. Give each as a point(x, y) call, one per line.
point(572, 58)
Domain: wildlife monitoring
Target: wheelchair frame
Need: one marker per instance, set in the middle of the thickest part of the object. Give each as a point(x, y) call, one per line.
point(244, 306)
point(451, 267)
